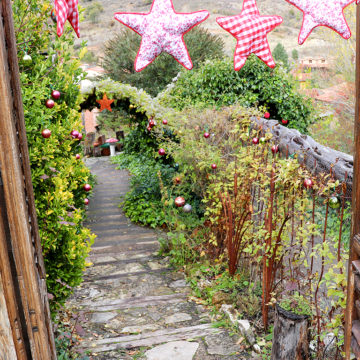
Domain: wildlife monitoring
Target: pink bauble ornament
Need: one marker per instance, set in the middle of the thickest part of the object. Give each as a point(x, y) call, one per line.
point(165, 122)
point(267, 115)
point(308, 183)
point(49, 103)
point(275, 149)
point(214, 166)
point(87, 187)
point(206, 135)
point(151, 123)
point(74, 134)
point(55, 94)
point(46, 133)
point(86, 201)
point(162, 152)
point(180, 201)
point(77, 157)
point(80, 136)
point(255, 141)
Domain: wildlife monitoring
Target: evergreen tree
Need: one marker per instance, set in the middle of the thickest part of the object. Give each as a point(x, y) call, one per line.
point(281, 55)
point(295, 55)
point(121, 51)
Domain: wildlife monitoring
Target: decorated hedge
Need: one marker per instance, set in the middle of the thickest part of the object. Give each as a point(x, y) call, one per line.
point(58, 174)
point(216, 84)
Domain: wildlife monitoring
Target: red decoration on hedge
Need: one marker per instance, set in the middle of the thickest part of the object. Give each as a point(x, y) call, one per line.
point(49, 103)
point(180, 201)
point(267, 115)
point(105, 103)
point(55, 94)
point(214, 166)
point(46, 133)
point(162, 152)
point(308, 183)
point(87, 187)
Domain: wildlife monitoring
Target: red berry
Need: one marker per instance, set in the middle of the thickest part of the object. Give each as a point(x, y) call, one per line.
point(148, 128)
point(80, 136)
point(87, 187)
point(180, 201)
point(46, 133)
point(255, 141)
point(86, 201)
point(284, 121)
point(267, 115)
point(214, 166)
point(206, 135)
point(165, 122)
point(50, 103)
point(162, 152)
point(74, 134)
point(151, 123)
point(77, 156)
point(55, 94)
point(308, 183)
point(275, 149)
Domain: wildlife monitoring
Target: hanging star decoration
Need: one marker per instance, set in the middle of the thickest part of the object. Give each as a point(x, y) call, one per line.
point(328, 13)
point(162, 30)
point(67, 10)
point(105, 103)
point(250, 30)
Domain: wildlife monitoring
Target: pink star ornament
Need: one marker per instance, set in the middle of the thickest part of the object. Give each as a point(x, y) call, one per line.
point(162, 30)
point(328, 13)
point(250, 30)
point(67, 10)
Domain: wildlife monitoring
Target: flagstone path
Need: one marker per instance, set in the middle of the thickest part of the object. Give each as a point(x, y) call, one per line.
point(135, 306)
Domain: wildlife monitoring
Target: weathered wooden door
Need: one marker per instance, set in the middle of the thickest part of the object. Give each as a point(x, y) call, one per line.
point(25, 324)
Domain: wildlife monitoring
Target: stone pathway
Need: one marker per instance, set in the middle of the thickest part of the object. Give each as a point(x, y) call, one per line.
point(135, 306)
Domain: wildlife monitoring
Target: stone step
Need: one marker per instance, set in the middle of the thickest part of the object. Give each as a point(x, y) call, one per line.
point(110, 240)
point(150, 338)
point(134, 302)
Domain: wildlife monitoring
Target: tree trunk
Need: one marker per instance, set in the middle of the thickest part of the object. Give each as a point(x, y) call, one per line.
point(291, 336)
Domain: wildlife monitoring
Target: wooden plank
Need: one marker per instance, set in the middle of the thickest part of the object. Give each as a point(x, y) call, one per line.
point(16, 203)
point(356, 267)
point(10, 285)
point(7, 346)
point(355, 347)
point(357, 307)
point(356, 330)
point(356, 244)
point(350, 313)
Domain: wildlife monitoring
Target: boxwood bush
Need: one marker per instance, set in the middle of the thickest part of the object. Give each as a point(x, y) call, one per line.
point(57, 176)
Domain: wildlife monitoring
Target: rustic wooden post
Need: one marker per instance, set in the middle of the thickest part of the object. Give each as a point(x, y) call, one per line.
point(22, 273)
point(352, 324)
point(291, 336)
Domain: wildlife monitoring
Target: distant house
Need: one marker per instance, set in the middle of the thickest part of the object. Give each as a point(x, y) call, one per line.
point(93, 71)
point(315, 63)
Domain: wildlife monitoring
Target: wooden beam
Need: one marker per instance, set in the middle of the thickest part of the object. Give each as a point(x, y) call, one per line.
point(351, 314)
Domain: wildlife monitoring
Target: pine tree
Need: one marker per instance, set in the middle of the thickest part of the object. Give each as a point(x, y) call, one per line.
point(281, 55)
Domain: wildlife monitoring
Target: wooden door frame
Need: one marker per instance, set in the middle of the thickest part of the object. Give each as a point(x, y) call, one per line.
point(21, 262)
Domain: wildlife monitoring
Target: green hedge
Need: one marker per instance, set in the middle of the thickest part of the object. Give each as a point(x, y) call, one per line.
point(58, 178)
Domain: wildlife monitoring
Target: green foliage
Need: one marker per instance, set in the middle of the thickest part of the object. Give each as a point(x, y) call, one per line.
point(295, 55)
point(93, 11)
point(280, 55)
point(121, 51)
point(57, 176)
point(216, 84)
point(297, 304)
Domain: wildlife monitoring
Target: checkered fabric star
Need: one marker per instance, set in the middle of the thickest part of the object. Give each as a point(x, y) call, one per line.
point(328, 13)
point(67, 10)
point(162, 30)
point(250, 30)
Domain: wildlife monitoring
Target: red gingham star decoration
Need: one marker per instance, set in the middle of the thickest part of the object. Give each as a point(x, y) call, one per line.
point(328, 13)
point(67, 10)
point(250, 30)
point(162, 30)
